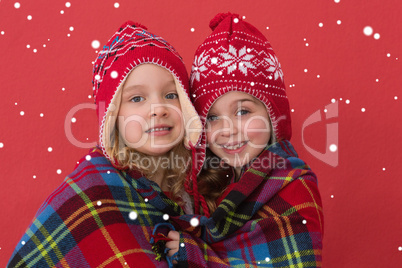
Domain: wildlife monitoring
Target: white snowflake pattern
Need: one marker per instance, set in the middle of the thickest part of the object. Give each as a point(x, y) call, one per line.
point(198, 66)
point(234, 59)
point(274, 66)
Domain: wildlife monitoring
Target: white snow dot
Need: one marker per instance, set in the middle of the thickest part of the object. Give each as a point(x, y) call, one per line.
point(338, 22)
point(293, 110)
point(266, 85)
point(337, 1)
point(97, 77)
point(248, 50)
point(15, 103)
point(34, 176)
point(307, 45)
point(320, 24)
point(267, 259)
point(29, 17)
point(194, 222)
point(194, 95)
point(165, 217)
point(363, 110)
point(318, 76)
point(1, 145)
point(17, 5)
point(376, 36)
point(396, 97)
point(214, 60)
point(377, 80)
point(192, 29)
point(236, 20)
point(332, 196)
point(2, 32)
point(388, 55)
point(304, 221)
point(305, 70)
point(368, 30)
point(73, 120)
point(35, 50)
point(220, 72)
point(108, 172)
point(267, 27)
point(89, 96)
point(347, 101)
point(400, 248)
point(61, 11)
point(325, 110)
point(333, 100)
point(68, 4)
point(22, 242)
point(290, 85)
point(63, 88)
point(68, 35)
point(182, 245)
point(99, 203)
point(22, 113)
point(383, 169)
point(244, 17)
point(333, 147)
point(28, 46)
point(252, 83)
point(270, 77)
point(305, 39)
point(88, 157)
point(44, 45)
point(58, 171)
point(146, 200)
point(49, 149)
point(71, 28)
point(340, 98)
point(114, 74)
point(116, 5)
point(133, 215)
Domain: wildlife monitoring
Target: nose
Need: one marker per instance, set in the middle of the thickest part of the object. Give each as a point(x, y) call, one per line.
point(228, 127)
point(158, 108)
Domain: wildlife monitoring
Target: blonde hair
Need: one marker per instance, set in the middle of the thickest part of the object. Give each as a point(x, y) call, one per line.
point(122, 155)
point(213, 182)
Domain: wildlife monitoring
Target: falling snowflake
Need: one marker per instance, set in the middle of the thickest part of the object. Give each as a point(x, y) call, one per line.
point(234, 59)
point(198, 66)
point(274, 66)
point(194, 222)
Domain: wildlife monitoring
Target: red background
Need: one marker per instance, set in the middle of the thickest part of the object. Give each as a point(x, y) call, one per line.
point(361, 194)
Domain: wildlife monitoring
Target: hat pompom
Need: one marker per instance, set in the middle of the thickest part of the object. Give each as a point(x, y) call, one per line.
point(219, 18)
point(135, 24)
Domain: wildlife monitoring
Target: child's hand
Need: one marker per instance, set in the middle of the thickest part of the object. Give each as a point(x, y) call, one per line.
point(174, 244)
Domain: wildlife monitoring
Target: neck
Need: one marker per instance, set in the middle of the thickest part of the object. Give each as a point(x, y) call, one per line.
point(158, 174)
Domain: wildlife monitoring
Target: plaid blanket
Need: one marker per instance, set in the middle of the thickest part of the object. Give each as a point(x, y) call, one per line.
point(272, 217)
point(98, 217)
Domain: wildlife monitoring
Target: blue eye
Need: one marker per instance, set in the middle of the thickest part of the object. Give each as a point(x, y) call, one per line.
point(242, 112)
point(212, 118)
point(137, 99)
point(172, 96)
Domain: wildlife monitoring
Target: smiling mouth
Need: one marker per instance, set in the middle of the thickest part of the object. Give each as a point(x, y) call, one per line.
point(158, 129)
point(234, 147)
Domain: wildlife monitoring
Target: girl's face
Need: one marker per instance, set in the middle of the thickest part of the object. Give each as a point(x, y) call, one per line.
point(237, 128)
point(150, 119)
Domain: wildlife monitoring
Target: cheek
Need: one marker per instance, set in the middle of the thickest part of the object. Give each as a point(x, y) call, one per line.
point(257, 129)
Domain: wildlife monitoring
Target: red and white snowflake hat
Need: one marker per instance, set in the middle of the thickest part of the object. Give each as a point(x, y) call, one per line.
point(238, 57)
point(129, 47)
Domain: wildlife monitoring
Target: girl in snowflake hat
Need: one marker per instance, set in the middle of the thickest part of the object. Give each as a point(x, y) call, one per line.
point(262, 199)
point(106, 211)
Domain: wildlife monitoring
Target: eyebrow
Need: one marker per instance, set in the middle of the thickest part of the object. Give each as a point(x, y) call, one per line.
point(127, 90)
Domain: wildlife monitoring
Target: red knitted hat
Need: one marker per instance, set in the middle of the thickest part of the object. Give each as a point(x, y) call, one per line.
point(129, 47)
point(237, 57)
